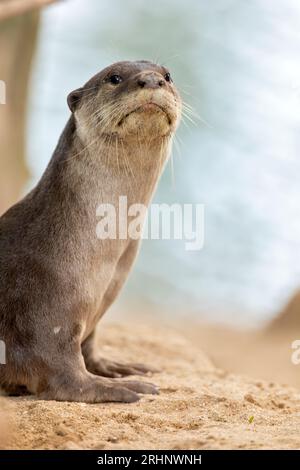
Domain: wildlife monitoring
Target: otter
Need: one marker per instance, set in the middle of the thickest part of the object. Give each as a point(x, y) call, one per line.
point(57, 278)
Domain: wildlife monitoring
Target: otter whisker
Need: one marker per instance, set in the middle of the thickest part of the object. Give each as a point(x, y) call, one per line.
point(176, 144)
point(168, 60)
point(188, 118)
point(80, 152)
point(125, 161)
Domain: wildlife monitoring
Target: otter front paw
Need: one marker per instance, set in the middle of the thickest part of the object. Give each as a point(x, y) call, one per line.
point(107, 368)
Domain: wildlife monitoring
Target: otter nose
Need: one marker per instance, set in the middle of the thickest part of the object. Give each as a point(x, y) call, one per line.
point(150, 80)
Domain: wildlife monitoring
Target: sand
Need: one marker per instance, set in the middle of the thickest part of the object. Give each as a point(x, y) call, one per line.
point(7, 423)
point(264, 353)
point(200, 406)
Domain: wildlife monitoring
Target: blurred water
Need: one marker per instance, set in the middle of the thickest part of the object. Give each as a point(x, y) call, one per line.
point(237, 63)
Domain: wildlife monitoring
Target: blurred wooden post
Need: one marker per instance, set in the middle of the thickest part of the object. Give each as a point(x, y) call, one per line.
point(10, 8)
point(17, 45)
point(19, 21)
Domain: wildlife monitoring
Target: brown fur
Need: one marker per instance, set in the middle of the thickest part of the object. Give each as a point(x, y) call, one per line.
point(56, 277)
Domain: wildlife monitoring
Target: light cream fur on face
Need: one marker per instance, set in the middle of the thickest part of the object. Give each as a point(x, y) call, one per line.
point(127, 117)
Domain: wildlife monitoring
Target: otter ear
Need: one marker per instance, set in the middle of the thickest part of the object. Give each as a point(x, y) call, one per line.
point(74, 99)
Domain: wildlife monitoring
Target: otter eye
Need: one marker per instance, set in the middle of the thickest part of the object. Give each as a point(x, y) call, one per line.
point(115, 79)
point(168, 77)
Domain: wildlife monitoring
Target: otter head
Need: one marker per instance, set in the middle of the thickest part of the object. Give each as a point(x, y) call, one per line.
point(127, 100)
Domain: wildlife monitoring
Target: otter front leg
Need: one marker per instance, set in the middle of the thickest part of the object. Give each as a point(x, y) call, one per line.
point(105, 367)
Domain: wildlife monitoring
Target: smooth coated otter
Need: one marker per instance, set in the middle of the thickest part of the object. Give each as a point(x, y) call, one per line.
point(56, 277)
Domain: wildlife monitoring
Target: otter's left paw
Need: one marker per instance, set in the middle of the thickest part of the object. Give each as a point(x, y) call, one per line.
point(107, 368)
point(137, 386)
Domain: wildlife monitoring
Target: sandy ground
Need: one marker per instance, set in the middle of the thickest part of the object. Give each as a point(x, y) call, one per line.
point(264, 353)
point(261, 354)
point(200, 406)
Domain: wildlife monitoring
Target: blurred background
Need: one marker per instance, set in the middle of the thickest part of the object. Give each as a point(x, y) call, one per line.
point(237, 64)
